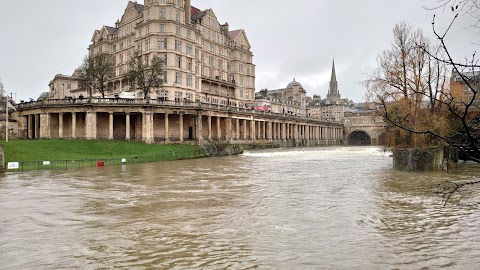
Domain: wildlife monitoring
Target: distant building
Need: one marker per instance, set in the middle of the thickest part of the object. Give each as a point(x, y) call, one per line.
point(290, 100)
point(461, 90)
point(333, 107)
point(66, 86)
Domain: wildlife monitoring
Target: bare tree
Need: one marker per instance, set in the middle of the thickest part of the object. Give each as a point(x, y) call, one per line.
point(97, 71)
point(407, 85)
point(145, 73)
point(466, 7)
point(2, 89)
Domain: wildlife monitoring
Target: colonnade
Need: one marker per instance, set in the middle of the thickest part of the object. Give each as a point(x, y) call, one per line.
point(173, 126)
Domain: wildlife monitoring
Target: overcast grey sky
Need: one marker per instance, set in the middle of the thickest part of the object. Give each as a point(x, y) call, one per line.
point(290, 39)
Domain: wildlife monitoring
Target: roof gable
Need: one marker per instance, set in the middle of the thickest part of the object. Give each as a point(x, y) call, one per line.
point(240, 38)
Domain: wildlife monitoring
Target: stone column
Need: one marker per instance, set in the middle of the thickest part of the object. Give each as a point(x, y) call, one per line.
point(147, 127)
point(45, 126)
point(60, 125)
point(252, 131)
point(199, 129)
point(238, 129)
point(110, 125)
point(91, 125)
point(74, 125)
point(29, 127)
point(180, 120)
point(127, 126)
point(274, 131)
point(209, 121)
point(36, 127)
point(228, 128)
point(167, 139)
point(219, 130)
point(245, 129)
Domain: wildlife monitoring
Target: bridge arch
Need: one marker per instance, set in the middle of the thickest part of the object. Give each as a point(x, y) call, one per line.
point(359, 137)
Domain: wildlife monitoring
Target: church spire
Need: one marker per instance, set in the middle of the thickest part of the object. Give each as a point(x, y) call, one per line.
point(333, 92)
point(334, 76)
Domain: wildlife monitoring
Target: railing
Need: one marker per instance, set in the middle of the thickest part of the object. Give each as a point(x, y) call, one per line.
point(163, 103)
point(23, 166)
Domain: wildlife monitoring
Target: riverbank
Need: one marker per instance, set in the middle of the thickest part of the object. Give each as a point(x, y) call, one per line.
point(23, 155)
point(32, 150)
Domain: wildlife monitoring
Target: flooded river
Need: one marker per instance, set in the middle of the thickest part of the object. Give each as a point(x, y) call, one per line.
point(305, 208)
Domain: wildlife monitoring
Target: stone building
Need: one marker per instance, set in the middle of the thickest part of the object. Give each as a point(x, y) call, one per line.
point(290, 100)
point(333, 107)
point(203, 59)
point(66, 86)
point(460, 89)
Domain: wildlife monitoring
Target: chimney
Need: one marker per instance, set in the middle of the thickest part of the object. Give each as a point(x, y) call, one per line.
point(188, 12)
point(224, 28)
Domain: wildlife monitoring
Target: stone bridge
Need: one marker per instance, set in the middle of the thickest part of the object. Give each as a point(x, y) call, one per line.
point(363, 128)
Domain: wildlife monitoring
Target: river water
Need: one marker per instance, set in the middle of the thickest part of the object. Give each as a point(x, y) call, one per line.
point(305, 208)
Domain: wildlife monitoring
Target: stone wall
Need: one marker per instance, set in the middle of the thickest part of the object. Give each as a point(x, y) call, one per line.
point(424, 159)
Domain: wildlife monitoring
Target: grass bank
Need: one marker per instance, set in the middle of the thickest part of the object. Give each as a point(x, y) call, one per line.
point(65, 154)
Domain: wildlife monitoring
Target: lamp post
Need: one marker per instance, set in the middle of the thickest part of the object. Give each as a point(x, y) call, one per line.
point(63, 91)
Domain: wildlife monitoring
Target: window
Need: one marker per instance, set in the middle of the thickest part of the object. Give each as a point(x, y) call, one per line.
point(189, 34)
point(120, 60)
point(178, 96)
point(220, 51)
point(189, 49)
point(147, 15)
point(164, 58)
point(163, 14)
point(177, 30)
point(165, 77)
point(147, 30)
point(248, 70)
point(162, 28)
point(189, 96)
point(197, 69)
point(220, 63)
point(197, 40)
point(196, 53)
point(147, 44)
point(139, 32)
point(162, 1)
point(189, 64)
point(197, 84)
point(212, 48)
point(114, 48)
point(162, 43)
point(139, 47)
point(177, 16)
point(178, 46)
point(178, 61)
point(163, 94)
point(210, 60)
point(240, 68)
point(121, 45)
point(189, 80)
point(178, 78)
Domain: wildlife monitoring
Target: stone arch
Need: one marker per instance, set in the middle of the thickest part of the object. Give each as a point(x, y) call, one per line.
point(359, 137)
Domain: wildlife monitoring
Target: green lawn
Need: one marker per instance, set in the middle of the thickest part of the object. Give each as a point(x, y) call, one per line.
point(38, 150)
